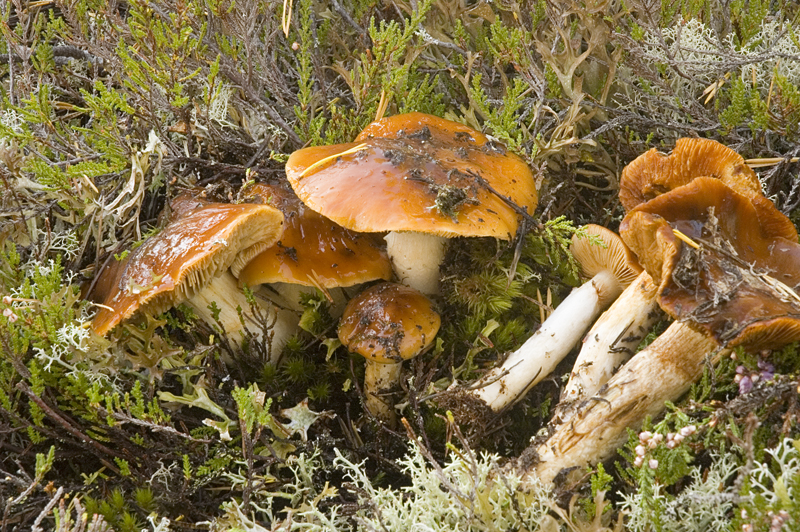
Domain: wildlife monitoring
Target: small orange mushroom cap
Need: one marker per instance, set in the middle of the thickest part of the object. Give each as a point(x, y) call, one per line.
point(416, 172)
point(736, 281)
point(389, 323)
point(200, 241)
point(610, 253)
point(654, 173)
point(313, 250)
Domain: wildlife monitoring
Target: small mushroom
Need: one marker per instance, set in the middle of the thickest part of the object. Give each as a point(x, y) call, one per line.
point(387, 324)
point(423, 179)
point(610, 267)
point(187, 261)
point(726, 266)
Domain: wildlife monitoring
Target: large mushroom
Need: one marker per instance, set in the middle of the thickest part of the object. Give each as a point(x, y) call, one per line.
point(387, 324)
point(421, 178)
point(615, 335)
point(726, 266)
point(610, 267)
point(187, 261)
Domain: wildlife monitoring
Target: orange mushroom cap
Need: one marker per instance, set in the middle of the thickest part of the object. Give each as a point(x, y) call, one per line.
point(654, 173)
point(732, 269)
point(200, 242)
point(389, 323)
point(416, 172)
point(313, 250)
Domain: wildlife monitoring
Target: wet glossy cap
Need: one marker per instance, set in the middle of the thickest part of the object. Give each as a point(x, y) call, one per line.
point(736, 278)
point(198, 243)
point(389, 323)
point(416, 172)
point(313, 250)
point(654, 173)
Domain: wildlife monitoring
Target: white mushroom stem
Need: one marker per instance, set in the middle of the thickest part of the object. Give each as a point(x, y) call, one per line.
point(416, 258)
point(662, 372)
point(289, 295)
point(611, 341)
point(225, 292)
point(542, 352)
point(380, 379)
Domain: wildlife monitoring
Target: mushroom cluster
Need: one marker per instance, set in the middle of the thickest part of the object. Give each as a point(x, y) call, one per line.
point(379, 208)
point(722, 261)
point(418, 179)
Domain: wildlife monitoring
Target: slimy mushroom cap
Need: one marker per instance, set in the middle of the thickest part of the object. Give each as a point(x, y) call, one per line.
point(389, 323)
point(730, 270)
point(313, 250)
point(654, 173)
point(173, 265)
point(416, 172)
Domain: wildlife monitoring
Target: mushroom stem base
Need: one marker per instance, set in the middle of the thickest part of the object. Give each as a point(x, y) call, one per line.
point(379, 381)
point(224, 291)
point(662, 372)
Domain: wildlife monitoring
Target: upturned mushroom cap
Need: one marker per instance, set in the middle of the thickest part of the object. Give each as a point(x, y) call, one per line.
point(738, 285)
point(612, 255)
point(176, 263)
point(654, 173)
point(416, 172)
point(389, 323)
point(312, 251)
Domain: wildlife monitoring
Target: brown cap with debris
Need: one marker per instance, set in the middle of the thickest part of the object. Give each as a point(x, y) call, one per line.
point(389, 323)
point(416, 172)
point(176, 263)
point(724, 263)
point(312, 251)
point(654, 173)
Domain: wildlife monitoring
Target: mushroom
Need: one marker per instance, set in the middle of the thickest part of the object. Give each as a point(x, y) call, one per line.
point(611, 267)
point(387, 324)
point(725, 266)
point(654, 173)
point(423, 179)
point(187, 261)
point(619, 330)
point(312, 251)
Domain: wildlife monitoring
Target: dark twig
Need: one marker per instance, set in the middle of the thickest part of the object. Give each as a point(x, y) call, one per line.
point(61, 420)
